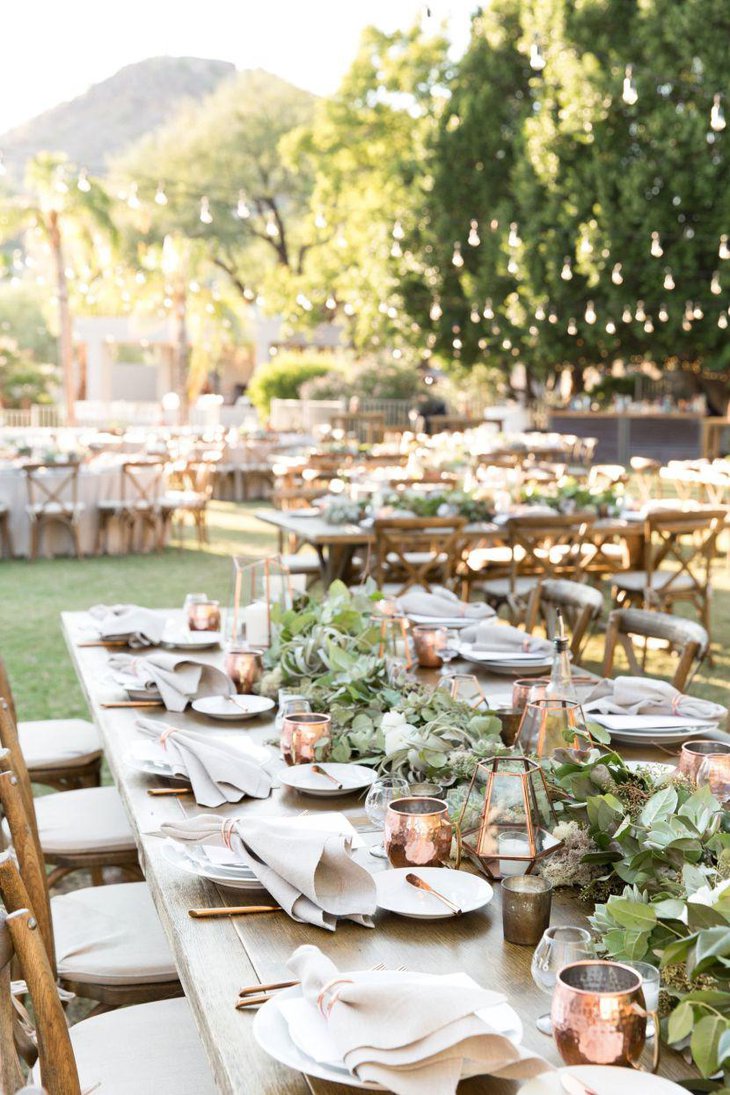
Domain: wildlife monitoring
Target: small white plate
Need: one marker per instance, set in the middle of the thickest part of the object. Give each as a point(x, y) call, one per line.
point(604, 1080)
point(233, 708)
point(468, 891)
point(191, 640)
point(178, 856)
point(354, 777)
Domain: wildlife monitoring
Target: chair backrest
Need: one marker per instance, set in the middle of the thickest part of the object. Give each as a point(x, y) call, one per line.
point(439, 540)
point(688, 638)
point(580, 604)
point(6, 691)
point(52, 486)
point(603, 476)
point(686, 539)
point(142, 481)
point(20, 940)
point(198, 476)
point(547, 545)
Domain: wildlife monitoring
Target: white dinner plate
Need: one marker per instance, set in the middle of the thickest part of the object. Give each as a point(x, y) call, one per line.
point(272, 1032)
point(468, 891)
point(353, 777)
point(647, 722)
point(151, 758)
point(233, 708)
point(453, 622)
point(183, 858)
point(191, 640)
point(656, 737)
point(604, 1080)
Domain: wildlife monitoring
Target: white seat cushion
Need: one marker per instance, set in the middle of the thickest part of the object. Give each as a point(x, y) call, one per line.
point(501, 587)
point(111, 935)
point(56, 743)
point(301, 564)
point(636, 580)
point(417, 558)
point(55, 509)
point(89, 820)
point(148, 1049)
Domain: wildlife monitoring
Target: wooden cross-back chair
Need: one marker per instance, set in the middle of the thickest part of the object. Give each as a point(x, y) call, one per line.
point(645, 477)
point(53, 499)
point(686, 540)
point(141, 486)
point(417, 551)
point(605, 476)
point(132, 965)
point(686, 638)
point(189, 497)
point(581, 606)
point(67, 821)
point(60, 753)
point(539, 546)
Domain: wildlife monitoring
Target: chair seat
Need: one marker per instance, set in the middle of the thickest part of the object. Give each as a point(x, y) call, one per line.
point(634, 581)
point(481, 558)
point(301, 564)
point(58, 743)
point(183, 499)
point(148, 1049)
point(88, 820)
point(111, 935)
point(501, 587)
point(417, 558)
point(55, 509)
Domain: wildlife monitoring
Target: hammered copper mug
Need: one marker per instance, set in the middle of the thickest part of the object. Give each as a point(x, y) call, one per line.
point(695, 752)
point(599, 1015)
point(418, 832)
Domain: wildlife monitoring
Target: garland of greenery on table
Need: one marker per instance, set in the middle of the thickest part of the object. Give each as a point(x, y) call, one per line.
point(570, 496)
point(440, 503)
point(651, 854)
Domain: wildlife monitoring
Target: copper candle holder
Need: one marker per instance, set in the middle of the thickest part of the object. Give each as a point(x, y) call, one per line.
point(418, 832)
point(528, 688)
point(694, 753)
point(305, 737)
point(204, 616)
point(526, 903)
point(714, 772)
point(599, 1015)
point(245, 667)
point(427, 642)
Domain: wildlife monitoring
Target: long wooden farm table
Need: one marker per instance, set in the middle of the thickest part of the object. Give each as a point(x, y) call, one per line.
point(215, 958)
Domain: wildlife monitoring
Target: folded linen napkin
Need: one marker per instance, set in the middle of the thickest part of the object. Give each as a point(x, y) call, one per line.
point(646, 696)
point(179, 679)
point(310, 872)
point(489, 635)
point(140, 626)
point(441, 603)
point(407, 1036)
point(218, 772)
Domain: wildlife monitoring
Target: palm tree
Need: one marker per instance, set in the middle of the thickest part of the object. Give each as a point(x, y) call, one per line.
point(69, 210)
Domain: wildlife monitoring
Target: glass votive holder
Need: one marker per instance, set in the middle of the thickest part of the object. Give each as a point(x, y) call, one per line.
point(428, 641)
point(290, 703)
point(549, 724)
point(204, 616)
point(418, 832)
point(526, 903)
point(426, 789)
point(305, 737)
point(245, 667)
point(650, 985)
point(528, 688)
point(714, 772)
point(694, 753)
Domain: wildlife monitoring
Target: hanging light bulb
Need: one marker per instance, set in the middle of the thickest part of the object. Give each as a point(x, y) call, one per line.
point(537, 57)
point(140, 277)
point(513, 240)
point(689, 311)
point(639, 314)
point(540, 313)
point(686, 324)
point(160, 195)
point(552, 316)
point(242, 209)
point(662, 314)
point(488, 312)
point(474, 314)
point(572, 328)
point(396, 250)
point(398, 232)
point(656, 246)
point(717, 114)
point(436, 311)
point(724, 251)
point(304, 302)
point(133, 197)
point(567, 272)
point(590, 313)
point(668, 280)
point(697, 312)
point(457, 259)
point(512, 267)
point(627, 315)
point(330, 303)
point(473, 239)
point(206, 216)
point(649, 326)
point(616, 275)
point(715, 286)
point(457, 343)
point(611, 327)
point(722, 320)
point(320, 221)
point(585, 247)
point(83, 183)
point(271, 226)
point(629, 93)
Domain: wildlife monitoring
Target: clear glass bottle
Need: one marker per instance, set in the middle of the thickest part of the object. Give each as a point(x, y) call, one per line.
point(561, 685)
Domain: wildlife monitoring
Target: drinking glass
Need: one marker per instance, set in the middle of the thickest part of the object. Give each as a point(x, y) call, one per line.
point(650, 984)
point(384, 791)
point(448, 650)
point(557, 948)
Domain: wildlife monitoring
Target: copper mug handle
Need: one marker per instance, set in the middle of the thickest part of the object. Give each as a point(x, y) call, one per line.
point(455, 829)
point(654, 1016)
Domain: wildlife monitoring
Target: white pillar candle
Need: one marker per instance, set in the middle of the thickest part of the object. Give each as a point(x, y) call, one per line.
point(256, 619)
point(513, 844)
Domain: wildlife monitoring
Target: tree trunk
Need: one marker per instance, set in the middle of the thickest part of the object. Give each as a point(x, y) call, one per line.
point(181, 353)
point(66, 349)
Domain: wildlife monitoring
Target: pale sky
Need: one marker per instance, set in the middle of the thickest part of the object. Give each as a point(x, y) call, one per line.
point(55, 49)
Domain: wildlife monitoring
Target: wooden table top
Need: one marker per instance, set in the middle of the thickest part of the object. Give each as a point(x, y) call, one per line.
point(216, 958)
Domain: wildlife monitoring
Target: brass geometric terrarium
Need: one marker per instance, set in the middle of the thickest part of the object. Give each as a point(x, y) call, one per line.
point(507, 818)
point(258, 585)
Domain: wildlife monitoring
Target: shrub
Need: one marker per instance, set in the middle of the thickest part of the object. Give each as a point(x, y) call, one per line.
point(283, 378)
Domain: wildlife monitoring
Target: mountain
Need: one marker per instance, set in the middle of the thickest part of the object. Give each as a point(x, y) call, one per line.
point(114, 113)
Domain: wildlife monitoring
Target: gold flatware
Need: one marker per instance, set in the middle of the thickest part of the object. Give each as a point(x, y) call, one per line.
point(328, 775)
point(134, 703)
point(574, 1086)
point(255, 995)
point(421, 884)
point(256, 990)
point(169, 791)
point(105, 642)
point(233, 910)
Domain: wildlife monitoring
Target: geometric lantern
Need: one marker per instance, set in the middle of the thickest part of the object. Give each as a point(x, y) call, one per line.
point(549, 724)
point(507, 818)
point(257, 586)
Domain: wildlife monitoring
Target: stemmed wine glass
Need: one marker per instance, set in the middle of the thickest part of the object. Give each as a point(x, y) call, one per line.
point(447, 650)
point(557, 948)
point(381, 793)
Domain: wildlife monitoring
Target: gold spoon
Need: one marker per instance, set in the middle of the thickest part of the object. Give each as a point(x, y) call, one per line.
point(421, 884)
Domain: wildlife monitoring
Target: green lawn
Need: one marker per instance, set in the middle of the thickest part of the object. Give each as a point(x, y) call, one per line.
point(33, 594)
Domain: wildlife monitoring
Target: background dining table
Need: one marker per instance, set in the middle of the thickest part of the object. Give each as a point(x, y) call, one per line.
point(217, 957)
